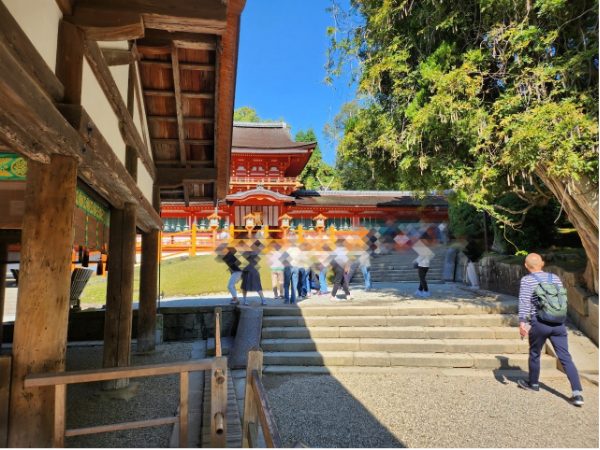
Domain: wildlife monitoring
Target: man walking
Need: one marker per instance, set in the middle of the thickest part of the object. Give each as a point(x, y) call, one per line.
point(539, 326)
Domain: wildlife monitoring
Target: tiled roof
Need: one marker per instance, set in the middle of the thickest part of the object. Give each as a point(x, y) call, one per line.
point(367, 198)
point(264, 136)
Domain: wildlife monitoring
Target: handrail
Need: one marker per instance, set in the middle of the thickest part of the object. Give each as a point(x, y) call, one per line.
point(256, 406)
point(218, 351)
point(60, 380)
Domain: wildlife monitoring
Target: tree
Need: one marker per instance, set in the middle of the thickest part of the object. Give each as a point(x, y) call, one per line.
point(484, 97)
point(246, 114)
point(317, 174)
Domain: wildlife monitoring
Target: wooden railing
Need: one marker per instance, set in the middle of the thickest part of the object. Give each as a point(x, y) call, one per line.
point(256, 406)
point(218, 351)
point(217, 366)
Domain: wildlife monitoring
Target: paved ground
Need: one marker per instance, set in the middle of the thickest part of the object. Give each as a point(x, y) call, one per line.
point(429, 409)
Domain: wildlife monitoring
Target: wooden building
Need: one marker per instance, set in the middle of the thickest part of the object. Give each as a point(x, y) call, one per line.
point(265, 166)
point(109, 108)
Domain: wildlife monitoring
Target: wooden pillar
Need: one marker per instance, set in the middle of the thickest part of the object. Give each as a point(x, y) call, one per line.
point(119, 291)
point(3, 260)
point(146, 324)
point(40, 334)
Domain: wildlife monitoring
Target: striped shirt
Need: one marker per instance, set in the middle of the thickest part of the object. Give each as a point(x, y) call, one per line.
point(528, 301)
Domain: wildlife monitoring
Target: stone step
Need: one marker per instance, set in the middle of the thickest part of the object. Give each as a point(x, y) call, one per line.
point(395, 309)
point(391, 332)
point(391, 359)
point(503, 346)
point(481, 320)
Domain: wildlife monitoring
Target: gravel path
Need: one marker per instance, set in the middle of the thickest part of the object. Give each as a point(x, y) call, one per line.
point(153, 397)
point(428, 410)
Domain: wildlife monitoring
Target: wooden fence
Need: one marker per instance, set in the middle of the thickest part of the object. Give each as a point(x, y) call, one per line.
point(256, 407)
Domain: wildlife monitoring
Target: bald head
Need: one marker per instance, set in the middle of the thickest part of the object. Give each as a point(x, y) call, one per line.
point(534, 262)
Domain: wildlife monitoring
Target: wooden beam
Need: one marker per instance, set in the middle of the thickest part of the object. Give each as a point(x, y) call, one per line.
point(227, 60)
point(187, 141)
point(3, 265)
point(66, 6)
point(176, 176)
point(186, 194)
point(117, 56)
point(207, 16)
point(107, 83)
point(185, 119)
point(164, 39)
point(182, 66)
point(184, 94)
point(104, 172)
point(106, 26)
point(14, 40)
point(178, 105)
point(119, 292)
point(40, 332)
point(69, 61)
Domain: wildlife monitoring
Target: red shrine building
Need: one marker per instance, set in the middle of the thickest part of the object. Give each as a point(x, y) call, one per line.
point(264, 171)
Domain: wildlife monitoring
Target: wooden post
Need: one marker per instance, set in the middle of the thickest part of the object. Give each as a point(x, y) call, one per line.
point(40, 334)
point(184, 393)
point(3, 264)
point(5, 365)
point(250, 419)
point(194, 234)
point(146, 325)
point(119, 291)
point(218, 403)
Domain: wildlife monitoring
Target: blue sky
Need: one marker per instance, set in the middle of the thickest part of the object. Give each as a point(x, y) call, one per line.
point(281, 66)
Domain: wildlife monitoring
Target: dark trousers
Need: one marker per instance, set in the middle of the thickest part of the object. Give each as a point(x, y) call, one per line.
point(422, 280)
point(302, 274)
point(339, 279)
point(539, 332)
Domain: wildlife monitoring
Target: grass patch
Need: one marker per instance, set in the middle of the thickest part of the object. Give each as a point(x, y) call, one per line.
point(180, 277)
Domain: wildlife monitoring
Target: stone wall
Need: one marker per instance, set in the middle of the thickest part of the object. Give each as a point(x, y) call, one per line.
point(502, 277)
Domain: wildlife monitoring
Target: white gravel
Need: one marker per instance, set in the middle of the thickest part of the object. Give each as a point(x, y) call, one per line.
point(89, 405)
point(428, 410)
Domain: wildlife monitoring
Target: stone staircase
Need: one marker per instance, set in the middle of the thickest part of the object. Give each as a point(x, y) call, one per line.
point(398, 267)
point(312, 339)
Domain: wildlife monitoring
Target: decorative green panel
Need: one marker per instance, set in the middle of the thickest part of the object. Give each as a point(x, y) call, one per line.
point(12, 167)
point(91, 207)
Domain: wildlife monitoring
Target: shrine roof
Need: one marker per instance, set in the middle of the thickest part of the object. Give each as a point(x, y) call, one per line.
point(367, 198)
point(272, 136)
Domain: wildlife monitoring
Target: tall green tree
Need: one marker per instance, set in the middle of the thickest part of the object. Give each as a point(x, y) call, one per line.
point(317, 173)
point(481, 96)
point(246, 114)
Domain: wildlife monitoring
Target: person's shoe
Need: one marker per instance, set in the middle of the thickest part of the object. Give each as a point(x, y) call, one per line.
point(426, 294)
point(418, 294)
point(349, 297)
point(576, 400)
point(234, 302)
point(263, 303)
point(524, 384)
point(245, 303)
point(334, 299)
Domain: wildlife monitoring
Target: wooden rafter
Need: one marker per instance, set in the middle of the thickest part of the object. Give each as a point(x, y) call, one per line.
point(185, 119)
point(107, 83)
point(66, 6)
point(158, 38)
point(184, 94)
point(178, 105)
point(174, 176)
point(187, 141)
point(182, 66)
point(118, 56)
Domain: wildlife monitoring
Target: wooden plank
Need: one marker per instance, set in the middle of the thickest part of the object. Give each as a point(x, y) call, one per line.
point(104, 172)
point(109, 87)
point(104, 26)
point(120, 426)
point(14, 40)
point(164, 39)
point(184, 394)
point(218, 351)
point(167, 176)
point(5, 366)
point(117, 56)
point(265, 414)
point(178, 105)
point(207, 16)
point(184, 94)
point(146, 324)
point(139, 99)
point(131, 159)
point(60, 415)
point(86, 376)
point(40, 331)
point(218, 403)
point(3, 267)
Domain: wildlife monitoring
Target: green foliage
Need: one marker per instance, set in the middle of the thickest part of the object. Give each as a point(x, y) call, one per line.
point(484, 97)
point(465, 221)
point(316, 172)
point(246, 114)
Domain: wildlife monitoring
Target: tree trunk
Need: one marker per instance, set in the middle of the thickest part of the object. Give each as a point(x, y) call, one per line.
point(579, 200)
